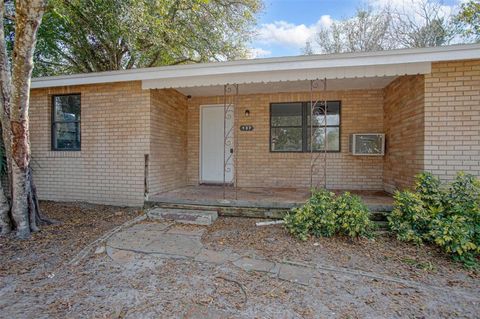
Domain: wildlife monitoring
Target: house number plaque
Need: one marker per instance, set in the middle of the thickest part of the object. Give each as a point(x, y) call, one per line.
point(246, 128)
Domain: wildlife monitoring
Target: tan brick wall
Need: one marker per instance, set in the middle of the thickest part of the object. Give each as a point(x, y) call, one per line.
point(452, 118)
point(168, 144)
point(404, 130)
point(362, 111)
point(121, 123)
point(109, 169)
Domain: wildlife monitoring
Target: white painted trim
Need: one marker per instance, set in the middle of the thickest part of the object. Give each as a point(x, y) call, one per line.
point(366, 64)
point(200, 178)
point(290, 75)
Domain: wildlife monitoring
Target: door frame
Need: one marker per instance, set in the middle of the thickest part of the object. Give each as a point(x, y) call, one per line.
point(200, 142)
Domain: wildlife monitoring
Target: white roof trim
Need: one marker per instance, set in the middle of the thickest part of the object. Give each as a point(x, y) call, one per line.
point(364, 64)
point(289, 75)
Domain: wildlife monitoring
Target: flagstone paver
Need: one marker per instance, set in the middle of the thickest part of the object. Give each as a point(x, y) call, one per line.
point(169, 241)
point(298, 274)
point(166, 240)
point(203, 312)
point(120, 256)
point(186, 231)
point(261, 265)
point(216, 257)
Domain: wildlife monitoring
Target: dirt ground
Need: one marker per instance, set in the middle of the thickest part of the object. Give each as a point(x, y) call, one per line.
point(36, 280)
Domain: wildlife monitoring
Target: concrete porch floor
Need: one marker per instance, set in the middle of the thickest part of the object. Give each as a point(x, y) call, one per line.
point(258, 197)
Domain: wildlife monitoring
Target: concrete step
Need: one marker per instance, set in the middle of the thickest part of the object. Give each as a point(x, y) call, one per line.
point(228, 211)
point(379, 216)
point(272, 213)
point(381, 225)
point(185, 216)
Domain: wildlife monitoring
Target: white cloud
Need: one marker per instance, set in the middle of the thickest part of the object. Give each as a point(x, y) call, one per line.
point(254, 53)
point(325, 21)
point(290, 34)
point(294, 36)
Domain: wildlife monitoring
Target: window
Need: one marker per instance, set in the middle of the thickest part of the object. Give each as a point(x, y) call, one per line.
point(290, 127)
point(66, 122)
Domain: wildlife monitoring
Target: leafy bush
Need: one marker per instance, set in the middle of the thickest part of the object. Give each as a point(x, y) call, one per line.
point(325, 215)
point(427, 186)
point(445, 215)
point(317, 217)
point(324, 218)
point(464, 195)
point(410, 218)
point(454, 234)
point(353, 216)
point(299, 221)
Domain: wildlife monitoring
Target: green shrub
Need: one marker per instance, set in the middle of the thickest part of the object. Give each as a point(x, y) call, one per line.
point(427, 186)
point(299, 221)
point(457, 232)
point(463, 196)
point(455, 235)
point(353, 216)
point(410, 218)
point(316, 217)
point(325, 215)
point(324, 219)
point(445, 215)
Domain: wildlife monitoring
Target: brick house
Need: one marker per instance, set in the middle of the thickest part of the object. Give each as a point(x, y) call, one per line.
point(119, 137)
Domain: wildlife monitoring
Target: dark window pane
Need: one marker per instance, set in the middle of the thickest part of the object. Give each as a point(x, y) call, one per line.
point(66, 136)
point(66, 108)
point(333, 139)
point(287, 114)
point(333, 114)
point(287, 139)
point(291, 125)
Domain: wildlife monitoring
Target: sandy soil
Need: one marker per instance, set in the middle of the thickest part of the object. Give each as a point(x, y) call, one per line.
point(35, 280)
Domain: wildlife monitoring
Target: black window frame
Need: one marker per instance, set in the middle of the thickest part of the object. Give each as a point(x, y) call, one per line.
point(53, 123)
point(306, 126)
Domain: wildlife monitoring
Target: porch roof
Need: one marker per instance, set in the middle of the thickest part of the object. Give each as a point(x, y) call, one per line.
point(381, 67)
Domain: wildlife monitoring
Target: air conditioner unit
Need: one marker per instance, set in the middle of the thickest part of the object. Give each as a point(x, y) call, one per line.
point(367, 144)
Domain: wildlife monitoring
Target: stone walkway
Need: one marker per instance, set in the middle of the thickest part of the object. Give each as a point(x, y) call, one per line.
point(170, 240)
point(146, 245)
point(166, 240)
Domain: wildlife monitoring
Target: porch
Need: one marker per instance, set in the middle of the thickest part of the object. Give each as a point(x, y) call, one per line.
point(254, 201)
point(274, 139)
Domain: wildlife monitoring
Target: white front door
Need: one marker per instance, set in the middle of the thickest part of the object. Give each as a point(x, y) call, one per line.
point(212, 144)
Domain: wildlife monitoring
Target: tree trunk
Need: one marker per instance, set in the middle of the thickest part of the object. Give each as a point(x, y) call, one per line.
point(5, 98)
point(15, 95)
point(20, 212)
point(5, 223)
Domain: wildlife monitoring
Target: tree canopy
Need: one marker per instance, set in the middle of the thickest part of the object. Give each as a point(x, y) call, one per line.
point(79, 36)
point(420, 23)
point(468, 19)
point(366, 31)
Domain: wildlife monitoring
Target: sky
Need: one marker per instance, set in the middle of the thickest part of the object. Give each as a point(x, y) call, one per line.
point(286, 25)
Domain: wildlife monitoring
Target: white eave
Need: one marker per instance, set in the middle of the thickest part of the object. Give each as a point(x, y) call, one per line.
point(331, 66)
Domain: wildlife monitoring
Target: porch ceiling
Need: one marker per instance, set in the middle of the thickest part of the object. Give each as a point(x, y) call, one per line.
point(291, 86)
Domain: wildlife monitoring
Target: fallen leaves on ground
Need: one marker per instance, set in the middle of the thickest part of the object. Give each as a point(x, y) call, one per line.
point(158, 288)
point(77, 224)
point(383, 254)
